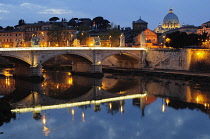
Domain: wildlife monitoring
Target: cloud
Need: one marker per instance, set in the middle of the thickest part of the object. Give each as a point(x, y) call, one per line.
point(4, 11)
point(55, 11)
point(30, 5)
point(25, 4)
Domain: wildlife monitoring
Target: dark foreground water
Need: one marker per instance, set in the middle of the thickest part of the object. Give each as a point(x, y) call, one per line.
point(115, 107)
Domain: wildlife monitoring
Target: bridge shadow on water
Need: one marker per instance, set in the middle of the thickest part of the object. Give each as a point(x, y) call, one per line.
point(64, 88)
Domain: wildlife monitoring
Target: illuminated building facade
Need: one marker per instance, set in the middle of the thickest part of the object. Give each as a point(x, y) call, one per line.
point(22, 34)
point(150, 38)
point(170, 22)
point(140, 29)
point(204, 31)
point(205, 28)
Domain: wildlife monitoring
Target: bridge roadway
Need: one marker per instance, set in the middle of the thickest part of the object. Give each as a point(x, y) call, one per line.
point(28, 60)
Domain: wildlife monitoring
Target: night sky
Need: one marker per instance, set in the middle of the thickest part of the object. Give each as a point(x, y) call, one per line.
point(119, 12)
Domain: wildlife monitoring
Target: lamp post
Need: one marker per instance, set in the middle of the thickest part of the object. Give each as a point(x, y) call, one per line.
point(110, 45)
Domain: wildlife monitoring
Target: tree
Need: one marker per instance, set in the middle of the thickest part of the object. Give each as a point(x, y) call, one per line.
point(85, 22)
point(73, 22)
point(9, 28)
point(21, 22)
point(180, 39)
point(59, 35)
point(63, 20)
point(114, 36)
point(83, 34)
point(101, 23)
point(54, 19)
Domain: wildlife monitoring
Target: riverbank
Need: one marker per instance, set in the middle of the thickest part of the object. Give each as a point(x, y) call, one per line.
point(172, 74)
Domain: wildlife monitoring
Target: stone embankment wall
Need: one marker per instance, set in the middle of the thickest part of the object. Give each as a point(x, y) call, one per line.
point(179, 59)
point(200, 60)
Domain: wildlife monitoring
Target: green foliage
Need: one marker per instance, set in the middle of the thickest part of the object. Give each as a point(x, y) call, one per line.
point(58, 34)
point(9, 28)
point(203, 37)
point(21, 22)
point(101, 23)
point(83, 34)
point(54, 19)
point(114, 34)
point(180, 39)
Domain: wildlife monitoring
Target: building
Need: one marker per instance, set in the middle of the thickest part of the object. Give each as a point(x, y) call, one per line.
point(142, 36)
point(170, 22)
point(204, 28)
point(204, 32)
point(139, 25)
point(21, 35)
point(150, 38)
point(189, 29)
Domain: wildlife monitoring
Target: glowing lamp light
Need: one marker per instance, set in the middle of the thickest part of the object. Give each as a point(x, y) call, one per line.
point(69, 73)
point(72, 112)
point(44, 120)
point(167, 101)
point(121, 109)
point(99, 63)
point(110, 106)
point(70, 81)
point(163, 108)
point(83, 116)
point(198, 53)
point(168, 39)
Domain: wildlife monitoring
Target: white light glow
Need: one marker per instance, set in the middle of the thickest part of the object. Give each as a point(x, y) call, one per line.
point(76, 104)
point(69, 48)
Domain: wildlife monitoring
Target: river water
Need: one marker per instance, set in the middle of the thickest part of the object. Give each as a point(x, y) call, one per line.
point(65, 106)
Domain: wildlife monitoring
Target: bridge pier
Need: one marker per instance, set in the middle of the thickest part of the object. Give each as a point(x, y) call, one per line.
point(36, 73)
point(96, 69)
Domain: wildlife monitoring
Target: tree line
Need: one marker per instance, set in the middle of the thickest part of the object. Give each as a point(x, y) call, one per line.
point(181, 39)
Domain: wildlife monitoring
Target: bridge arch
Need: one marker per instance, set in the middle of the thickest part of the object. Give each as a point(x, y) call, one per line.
point(21, 66)
point(122, 59)
point(14, 58)
point(80, 63)
point(120, 53)
point(76, 54)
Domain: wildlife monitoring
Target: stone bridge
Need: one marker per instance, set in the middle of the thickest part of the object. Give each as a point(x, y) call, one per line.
point(28, 61)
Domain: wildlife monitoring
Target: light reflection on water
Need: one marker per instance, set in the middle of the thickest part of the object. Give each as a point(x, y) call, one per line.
point(166, 108)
